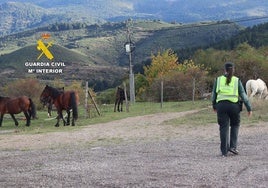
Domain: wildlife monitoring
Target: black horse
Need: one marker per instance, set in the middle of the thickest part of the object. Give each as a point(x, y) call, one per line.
point(49, 103)
point(119, 98)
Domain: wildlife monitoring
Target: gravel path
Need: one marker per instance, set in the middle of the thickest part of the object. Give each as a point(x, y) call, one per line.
point(141, 151)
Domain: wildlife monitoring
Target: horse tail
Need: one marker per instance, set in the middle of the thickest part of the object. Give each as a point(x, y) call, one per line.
point(33, 109)
point(74, 105)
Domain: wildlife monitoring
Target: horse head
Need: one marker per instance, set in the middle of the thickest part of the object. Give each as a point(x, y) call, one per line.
point(265, 93)
point(45, 96)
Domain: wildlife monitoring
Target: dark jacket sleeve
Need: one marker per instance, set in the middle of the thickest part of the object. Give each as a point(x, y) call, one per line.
point(243, 96)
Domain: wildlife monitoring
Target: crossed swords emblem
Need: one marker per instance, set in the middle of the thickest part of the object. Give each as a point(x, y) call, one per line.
point(42, 47)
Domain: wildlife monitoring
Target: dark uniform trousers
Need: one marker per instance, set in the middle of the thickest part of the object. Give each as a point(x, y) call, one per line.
point(228, 114)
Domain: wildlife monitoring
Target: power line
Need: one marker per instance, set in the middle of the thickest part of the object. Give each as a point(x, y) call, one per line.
point(249, 19)
point(220, 22)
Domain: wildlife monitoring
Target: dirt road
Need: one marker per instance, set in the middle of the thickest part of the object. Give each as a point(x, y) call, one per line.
point(142, 151)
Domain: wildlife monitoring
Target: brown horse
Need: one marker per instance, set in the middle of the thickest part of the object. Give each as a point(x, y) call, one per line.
point(62, 100)
point(119, 98)
point(15, 106)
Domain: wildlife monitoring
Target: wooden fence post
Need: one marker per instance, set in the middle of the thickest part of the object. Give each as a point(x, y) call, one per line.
point(162, 93)
point(86, 101)
point(95, 104)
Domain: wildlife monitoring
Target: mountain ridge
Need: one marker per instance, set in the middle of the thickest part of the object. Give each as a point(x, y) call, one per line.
point(41, 13)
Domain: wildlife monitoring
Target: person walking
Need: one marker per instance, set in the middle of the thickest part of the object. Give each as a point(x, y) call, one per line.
point(226, 94)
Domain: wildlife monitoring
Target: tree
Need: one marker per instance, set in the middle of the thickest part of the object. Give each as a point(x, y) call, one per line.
point(181, 80)
point(141, 84)
point(250, 63)
point(197, 73)
point(162, 64)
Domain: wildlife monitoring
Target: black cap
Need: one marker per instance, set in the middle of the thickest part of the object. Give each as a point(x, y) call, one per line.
point(228, 65)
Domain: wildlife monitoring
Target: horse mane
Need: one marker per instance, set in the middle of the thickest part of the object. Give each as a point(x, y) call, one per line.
point(54, 91)
point(2, 98)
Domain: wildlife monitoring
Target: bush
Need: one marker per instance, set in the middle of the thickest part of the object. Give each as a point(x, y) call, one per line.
point(29, 87)
point(106, 97)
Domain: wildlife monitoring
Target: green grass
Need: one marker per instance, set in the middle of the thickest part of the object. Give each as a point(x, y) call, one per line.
point(43, 125)
point(208, 116)
point(137, 109)
point(203, 117)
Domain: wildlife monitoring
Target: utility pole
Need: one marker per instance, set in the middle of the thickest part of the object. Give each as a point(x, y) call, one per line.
point(129, 46)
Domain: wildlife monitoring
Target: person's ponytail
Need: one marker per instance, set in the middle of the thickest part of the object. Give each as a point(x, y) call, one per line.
point(229, 72)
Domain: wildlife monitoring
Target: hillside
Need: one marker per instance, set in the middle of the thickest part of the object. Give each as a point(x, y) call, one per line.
point(189, 36)
point(17, 58)
point(74, 66)
point(256, 36)
point(104, 44)
point(96, 53)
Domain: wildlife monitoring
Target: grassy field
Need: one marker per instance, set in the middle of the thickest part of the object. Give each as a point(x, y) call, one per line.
point(205, 116)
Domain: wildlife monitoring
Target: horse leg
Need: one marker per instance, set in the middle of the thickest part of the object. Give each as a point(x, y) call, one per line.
point(73, 122)
point(1, 119)
point(28, 118)
point(64, 122)
point(115, 105)
point(13, 117)
point(29, 113)
point(68, 117)
point(58, 121)
point(49, 109)
point(118, 105)
point(60, 116)
point(253, 94)
point(121, 105)
point(261, 94)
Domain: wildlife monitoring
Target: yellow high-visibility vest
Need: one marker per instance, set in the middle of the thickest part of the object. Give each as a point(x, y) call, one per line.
point(227, 92)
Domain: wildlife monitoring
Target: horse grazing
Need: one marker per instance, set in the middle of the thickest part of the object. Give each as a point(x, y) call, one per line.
point(15, 106)
point(62, 100)
point(119, 98)
point(50, 103)
point(255, 87)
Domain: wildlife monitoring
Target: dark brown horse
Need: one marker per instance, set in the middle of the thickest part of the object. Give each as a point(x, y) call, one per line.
point(50, 103)
point(119, 98)
point(62, 100)
point(15, 106)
